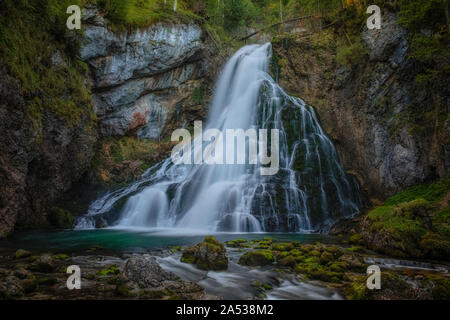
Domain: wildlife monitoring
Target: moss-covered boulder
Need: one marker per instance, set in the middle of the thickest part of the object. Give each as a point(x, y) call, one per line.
point(61, 256)
point(283, 246)
point(414, 223)
point(21, 253)
point(254, 258)
point(207, 255)
point(238, 243)
point(440, 287)
point(393, 287)
point(435, 246)
point(44, 263)
point(29, 285)
point(313, 269)
point(109, 270)
point(288, 261)
point(266, 243)
point(326, 257)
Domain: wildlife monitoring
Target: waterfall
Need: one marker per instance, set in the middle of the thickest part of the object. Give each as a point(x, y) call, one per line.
point(309, 192)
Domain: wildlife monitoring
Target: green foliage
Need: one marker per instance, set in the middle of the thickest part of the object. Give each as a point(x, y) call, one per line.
point(238, 13)
point(436, 245)
point(30, 35)
point(173, 249)
point(352, 54)
point(390, 282)
point(308, 7)
point(283, 246)
point(440, 287)
point(413, 223)
point(130, 148)
point(417, 14)
point(430, 192)
point(441, 221)
point(126, 14)
point(60, 218)
point(313, 269)
point(356, 238)
point(198, 95)
point(429, 45)
point(61, 256)
point(207, 255)
point(238, 243)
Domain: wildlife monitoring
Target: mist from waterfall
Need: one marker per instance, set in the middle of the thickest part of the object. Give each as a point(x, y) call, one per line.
point(309, 192)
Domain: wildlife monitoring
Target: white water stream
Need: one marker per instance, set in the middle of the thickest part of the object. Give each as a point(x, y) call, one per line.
point(309, 192)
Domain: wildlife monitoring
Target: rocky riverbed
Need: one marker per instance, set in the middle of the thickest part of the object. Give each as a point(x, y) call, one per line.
point(258, 269)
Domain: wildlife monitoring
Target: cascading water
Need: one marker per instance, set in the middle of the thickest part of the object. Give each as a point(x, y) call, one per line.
point(309, 192)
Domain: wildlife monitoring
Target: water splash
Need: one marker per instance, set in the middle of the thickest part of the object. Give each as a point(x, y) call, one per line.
point(309, 192)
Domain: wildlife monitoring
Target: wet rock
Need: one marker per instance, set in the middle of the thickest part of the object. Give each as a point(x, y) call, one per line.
point(44, 263)
point(326, 257)
point(346, 227)
point(393, 287)
point(22, 273)
point(145, 272)
point(288, 261)
point(364, 108)
point(58, 60)
point(143, 277)
point(257, 258)
point(29, 285)
point(353, 262)
point(207, 255)
point(238, 243)
point(110, 269)
point(21, 253)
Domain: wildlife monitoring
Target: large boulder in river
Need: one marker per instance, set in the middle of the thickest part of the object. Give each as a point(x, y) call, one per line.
point(207, 255)
point(143, 277)
point(44, 263)
point(145, 272)
point(21, 253)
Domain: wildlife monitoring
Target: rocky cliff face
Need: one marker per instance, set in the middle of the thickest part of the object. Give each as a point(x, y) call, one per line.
point(144, 82)
point(140, 78)
point(372, 108)
point(36, 166)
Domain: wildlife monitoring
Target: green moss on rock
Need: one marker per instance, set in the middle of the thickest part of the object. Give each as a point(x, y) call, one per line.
point(411, 224)
point(257, 258)
point(21, 253)
point(111, 269)
point(356, 239)
point(288, 261)
point(238, 243)
point(61, 256)
point(430, 192)
point(60, 218)
point(207, 255)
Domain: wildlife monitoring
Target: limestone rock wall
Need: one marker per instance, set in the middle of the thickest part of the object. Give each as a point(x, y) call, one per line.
point(369, 108)
point(139, 77)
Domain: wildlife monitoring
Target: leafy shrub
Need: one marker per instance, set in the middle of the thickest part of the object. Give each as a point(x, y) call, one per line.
point(351, 55)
